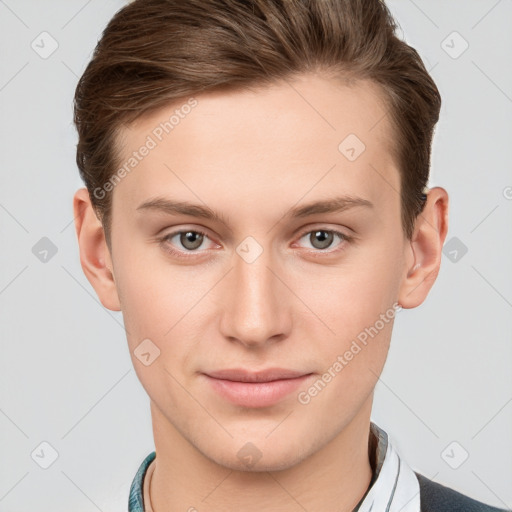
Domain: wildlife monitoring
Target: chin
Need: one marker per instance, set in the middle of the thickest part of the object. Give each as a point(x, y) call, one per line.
point(252, 458)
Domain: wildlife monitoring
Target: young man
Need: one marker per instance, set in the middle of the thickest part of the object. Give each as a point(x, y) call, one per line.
point(256, 206)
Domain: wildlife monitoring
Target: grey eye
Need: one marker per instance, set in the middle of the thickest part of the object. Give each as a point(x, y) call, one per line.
point(191, 239)
point(321, 239)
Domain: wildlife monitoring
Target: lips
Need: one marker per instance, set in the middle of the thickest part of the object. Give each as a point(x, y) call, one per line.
point(241, 375)
point(256, 389)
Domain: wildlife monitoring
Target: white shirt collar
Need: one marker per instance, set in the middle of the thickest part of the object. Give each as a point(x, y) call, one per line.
point(396, 488)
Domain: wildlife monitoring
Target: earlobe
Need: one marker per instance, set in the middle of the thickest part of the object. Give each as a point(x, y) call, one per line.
point(425, 250)
point(95, 256)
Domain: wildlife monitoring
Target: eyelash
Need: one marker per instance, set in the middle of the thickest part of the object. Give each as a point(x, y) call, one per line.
point(174, 252)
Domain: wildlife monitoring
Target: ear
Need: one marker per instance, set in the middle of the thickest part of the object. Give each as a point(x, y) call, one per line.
point(425, 249)
point(94, 253)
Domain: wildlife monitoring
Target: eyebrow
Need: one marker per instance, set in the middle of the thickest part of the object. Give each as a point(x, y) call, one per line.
point(333, 205)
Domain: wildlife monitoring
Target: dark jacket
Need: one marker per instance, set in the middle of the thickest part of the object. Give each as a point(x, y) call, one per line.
point(435, 497)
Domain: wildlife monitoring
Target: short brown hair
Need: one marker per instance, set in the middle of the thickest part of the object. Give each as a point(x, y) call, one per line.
point(156, 52)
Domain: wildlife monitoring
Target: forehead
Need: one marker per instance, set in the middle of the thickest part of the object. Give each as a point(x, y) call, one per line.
point(296, 137)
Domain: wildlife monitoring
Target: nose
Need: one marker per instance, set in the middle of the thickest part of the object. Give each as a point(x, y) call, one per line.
point(257, 306)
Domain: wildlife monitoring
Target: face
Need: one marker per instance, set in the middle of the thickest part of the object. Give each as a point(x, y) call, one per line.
point(254, 235)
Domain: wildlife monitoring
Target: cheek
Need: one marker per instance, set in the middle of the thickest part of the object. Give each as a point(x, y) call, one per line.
point(164, 304)
point(154, 294)
point(157, 307)
point(356, 303)
point(351, 297)
point(353, 358)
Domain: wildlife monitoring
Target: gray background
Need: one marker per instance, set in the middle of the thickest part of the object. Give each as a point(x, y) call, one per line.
point(65, 373)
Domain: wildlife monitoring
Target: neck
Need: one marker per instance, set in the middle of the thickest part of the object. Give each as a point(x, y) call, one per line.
point(335, 477)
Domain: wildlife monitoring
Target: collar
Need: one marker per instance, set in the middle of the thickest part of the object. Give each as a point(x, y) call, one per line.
point(135, 500)
point(394, 486)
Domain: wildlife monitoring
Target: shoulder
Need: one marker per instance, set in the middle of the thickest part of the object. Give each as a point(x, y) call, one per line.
point(435, 497)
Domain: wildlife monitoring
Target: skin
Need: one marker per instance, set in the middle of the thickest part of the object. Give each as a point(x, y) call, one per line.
point(251, 156)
